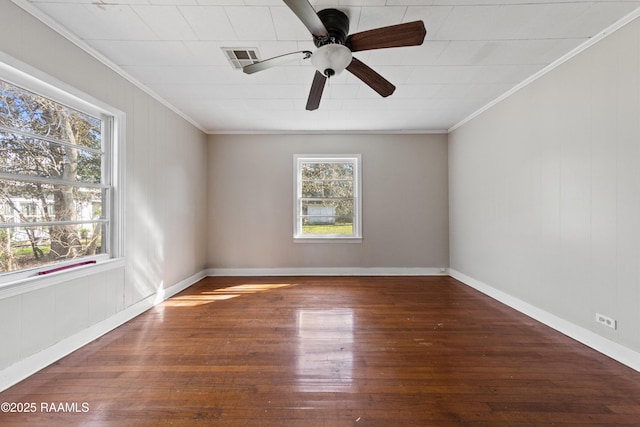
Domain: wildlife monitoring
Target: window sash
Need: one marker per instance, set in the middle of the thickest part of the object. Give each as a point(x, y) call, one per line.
point(4, 176)
point(52, 140)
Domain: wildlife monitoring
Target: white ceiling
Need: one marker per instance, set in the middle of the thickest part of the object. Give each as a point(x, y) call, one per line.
point(475, 51)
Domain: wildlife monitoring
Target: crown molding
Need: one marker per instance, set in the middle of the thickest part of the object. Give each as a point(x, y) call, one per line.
point(555, 64)
point(331, 132)
point(55, 26)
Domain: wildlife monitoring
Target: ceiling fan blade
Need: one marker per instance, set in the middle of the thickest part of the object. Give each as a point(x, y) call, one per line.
point(275, 61)
point(316, 91)
point(371, 78)
point(407, 34)
point(305, 12)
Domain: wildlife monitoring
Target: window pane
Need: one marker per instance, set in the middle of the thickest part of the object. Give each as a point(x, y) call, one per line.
point(327, 229)
point(327, 217)
point(25, 155)
point(35, 202)
point(328, 170)
point(315, 210)
point(26, 111)
point(28, 247)
point(328, 188)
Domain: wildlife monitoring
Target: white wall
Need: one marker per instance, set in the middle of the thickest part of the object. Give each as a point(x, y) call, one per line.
point(545, 192)
point(405, 217)
point(165, 193)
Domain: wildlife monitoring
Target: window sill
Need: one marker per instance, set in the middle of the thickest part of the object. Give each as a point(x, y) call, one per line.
point(327, 240)
point(32, 283)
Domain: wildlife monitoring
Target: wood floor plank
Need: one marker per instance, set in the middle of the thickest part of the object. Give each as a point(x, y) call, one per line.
point(331, 351)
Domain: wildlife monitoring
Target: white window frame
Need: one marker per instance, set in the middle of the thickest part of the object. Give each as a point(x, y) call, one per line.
point(298, 160)
point(34, 80)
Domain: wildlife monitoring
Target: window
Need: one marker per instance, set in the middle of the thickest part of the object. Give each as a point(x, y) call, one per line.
point(327, 197)
point(56, 178)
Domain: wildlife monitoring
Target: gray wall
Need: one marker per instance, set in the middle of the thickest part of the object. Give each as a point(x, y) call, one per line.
point(405, 217)
point(545, 191)
point(165, 166)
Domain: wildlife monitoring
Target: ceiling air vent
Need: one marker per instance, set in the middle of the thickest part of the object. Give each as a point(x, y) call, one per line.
point(241, 56)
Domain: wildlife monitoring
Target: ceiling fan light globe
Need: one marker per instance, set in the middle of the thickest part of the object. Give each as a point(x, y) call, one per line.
point(331, 59)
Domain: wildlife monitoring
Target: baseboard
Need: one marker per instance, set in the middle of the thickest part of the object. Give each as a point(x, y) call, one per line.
point(339, 271)
point(607, 347)
point(32, 364)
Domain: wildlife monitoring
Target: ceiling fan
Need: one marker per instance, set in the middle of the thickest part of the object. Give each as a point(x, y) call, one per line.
point(330, 29)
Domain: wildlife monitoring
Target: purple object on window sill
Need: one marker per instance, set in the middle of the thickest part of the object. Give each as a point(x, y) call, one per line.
point(66, 267)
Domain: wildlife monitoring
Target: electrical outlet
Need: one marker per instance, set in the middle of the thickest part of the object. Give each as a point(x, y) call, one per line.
point(606, 320)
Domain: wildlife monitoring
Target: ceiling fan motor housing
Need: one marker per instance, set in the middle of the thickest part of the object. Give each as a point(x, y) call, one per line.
point(332, 55)
point(337, 24)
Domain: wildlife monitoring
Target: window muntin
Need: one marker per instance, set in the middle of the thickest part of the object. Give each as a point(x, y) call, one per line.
point(327, 200)
point(55, 187)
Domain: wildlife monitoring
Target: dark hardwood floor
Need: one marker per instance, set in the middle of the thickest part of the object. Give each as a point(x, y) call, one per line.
point(331, 351)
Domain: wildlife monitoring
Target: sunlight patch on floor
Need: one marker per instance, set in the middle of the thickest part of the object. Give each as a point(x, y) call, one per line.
point(208, 297)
